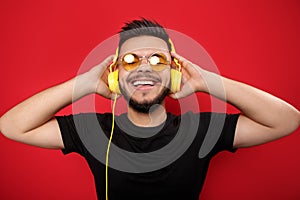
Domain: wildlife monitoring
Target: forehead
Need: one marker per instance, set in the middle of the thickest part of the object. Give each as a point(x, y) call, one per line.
point(143, 42)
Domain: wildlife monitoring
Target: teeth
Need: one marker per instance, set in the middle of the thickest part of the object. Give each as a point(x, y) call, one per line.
point(136, 83)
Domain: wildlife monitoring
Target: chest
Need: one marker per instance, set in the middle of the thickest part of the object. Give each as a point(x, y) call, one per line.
point(180, 179)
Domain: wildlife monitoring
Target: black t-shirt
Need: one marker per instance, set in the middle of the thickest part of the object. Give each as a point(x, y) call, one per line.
point(169, 161)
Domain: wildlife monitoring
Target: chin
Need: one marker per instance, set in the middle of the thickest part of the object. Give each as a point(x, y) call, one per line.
point(145, 104)
point(145, 98)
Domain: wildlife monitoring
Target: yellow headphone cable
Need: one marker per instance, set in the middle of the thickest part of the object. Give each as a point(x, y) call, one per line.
point(108, 145)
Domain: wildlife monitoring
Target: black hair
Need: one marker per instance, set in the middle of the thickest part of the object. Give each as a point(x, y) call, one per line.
point(141, 27)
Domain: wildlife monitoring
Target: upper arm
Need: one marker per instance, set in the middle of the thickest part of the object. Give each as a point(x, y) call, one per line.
point(47, 135)
point(250, 133)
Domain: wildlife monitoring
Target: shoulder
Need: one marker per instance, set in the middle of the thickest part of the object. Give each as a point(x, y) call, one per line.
point(84, 121)
point(85, 116)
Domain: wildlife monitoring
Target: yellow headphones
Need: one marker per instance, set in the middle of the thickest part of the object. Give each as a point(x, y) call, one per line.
point(113, 76)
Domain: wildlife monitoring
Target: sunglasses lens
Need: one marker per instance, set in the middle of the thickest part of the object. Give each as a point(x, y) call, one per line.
point(158, 61)
point(130, 61)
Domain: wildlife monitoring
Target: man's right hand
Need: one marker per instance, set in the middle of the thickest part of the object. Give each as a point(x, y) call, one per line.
point(95, 80)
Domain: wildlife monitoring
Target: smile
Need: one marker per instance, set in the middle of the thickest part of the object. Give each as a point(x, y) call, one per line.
point(142, 83)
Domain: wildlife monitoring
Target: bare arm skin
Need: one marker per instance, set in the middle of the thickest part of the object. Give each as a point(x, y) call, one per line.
point(264, 117)
point(32, 121)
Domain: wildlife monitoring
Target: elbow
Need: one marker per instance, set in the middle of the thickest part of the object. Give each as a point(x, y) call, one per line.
point(6, 129)
point(3, 128)
point(296, 120)
point(291, 124)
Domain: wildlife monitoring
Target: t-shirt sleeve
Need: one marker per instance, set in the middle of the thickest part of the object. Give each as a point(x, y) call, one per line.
point(220, 132)
point(70, 137)
point(227, 137)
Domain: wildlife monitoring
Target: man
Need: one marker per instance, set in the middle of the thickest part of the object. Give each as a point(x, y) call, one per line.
point(156, 155)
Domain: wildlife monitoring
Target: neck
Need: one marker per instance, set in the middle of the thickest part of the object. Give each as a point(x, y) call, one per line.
point(151, 119)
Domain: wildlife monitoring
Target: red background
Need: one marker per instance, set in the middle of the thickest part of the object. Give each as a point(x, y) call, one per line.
point(43, 43)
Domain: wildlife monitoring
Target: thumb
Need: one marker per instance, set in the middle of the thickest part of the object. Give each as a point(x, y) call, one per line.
point(185, 91)
point(177, 95)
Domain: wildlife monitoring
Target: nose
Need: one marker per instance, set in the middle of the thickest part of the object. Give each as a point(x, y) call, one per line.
point(144, 66)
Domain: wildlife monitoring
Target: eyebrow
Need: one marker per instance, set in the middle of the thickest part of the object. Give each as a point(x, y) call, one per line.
point(137, 49)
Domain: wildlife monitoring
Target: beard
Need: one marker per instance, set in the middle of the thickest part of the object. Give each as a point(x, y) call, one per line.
point(147, 106)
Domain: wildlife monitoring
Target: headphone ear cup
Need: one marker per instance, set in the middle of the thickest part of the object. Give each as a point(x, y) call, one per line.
point(113, 81)
point(175, 80)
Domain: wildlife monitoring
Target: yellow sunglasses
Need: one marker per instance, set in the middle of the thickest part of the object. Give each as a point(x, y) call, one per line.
point(158, 61)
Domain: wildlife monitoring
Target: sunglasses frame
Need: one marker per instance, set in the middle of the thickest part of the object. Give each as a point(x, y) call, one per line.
point(148, 61)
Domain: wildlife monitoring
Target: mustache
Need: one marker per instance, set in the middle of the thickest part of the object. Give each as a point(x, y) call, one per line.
point(144, 75)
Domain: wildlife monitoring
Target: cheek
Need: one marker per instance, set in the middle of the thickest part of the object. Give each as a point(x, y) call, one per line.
point(122, 76)
point(166, 77)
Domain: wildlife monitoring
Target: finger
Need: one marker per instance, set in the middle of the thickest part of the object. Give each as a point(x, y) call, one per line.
point(182, 59)
point(177, 95)
point(108, 60)
point(105, 92)
point(179, 57)
point(113, 96)
point(187, 65)
point(175, 55)
point(101, 67)
point(187, 88)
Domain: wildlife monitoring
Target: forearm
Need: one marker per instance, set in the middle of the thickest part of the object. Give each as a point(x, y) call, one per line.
point(40, 108)
point(256, 104)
